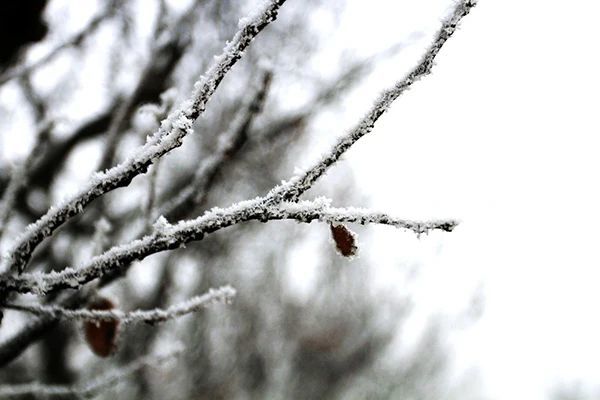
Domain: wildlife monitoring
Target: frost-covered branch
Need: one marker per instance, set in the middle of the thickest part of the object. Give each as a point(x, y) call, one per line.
point(167, 237)
point(224, 294)
point(320, 210)
point(302, 183)
point(91, 387)
point(169, 136)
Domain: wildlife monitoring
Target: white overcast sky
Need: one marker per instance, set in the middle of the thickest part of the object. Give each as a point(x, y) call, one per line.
point(505, 137)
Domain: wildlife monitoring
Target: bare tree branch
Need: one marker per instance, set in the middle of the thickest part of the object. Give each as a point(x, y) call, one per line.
point(224, 294)
point(320, 209)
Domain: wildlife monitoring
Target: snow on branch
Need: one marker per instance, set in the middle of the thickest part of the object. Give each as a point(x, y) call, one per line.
point(169, 136)
point(224, 294)
point(320, 210)
point(167, 237)
point(91, 387)
point(301, 184)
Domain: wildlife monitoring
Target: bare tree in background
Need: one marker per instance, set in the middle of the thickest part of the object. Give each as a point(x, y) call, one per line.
point(190, 120)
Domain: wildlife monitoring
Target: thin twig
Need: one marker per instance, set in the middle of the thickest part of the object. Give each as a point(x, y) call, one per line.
point(37, 103)
point(320, 209)
point(224, 294)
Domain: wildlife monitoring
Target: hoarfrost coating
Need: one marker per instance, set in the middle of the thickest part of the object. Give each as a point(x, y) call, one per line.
point(223, 294)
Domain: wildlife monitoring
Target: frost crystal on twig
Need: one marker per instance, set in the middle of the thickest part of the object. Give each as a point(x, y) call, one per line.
point(224, 294)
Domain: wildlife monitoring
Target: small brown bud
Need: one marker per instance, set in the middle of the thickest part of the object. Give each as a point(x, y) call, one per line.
point(345, 240)
point(101, 336)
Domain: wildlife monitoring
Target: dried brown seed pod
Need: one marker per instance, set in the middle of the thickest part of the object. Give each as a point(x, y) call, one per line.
point(101, 336)
point(345, 240)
